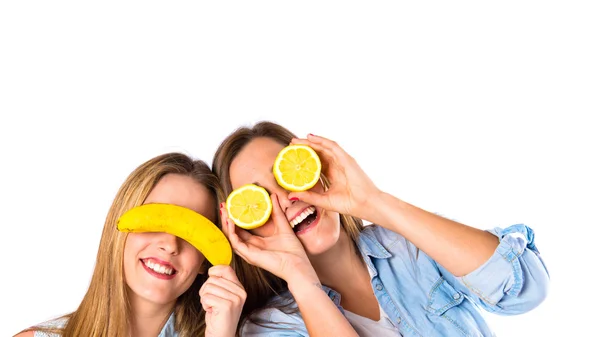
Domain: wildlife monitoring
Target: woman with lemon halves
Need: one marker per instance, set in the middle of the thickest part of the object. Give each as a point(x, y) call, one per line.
point(320, 272)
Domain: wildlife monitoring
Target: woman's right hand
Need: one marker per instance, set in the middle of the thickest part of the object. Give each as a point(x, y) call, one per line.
point(222, 297)
point(282, 254)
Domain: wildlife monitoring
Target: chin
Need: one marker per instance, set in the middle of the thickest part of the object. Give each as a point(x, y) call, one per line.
point(161, 299)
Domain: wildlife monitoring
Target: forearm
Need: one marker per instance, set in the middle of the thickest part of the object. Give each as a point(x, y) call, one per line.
point(457, 247)
point(320, 314)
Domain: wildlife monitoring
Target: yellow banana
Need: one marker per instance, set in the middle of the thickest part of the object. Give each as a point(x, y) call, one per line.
point(181, 222)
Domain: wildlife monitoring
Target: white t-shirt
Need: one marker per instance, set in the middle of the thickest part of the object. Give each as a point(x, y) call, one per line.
point(366, 327)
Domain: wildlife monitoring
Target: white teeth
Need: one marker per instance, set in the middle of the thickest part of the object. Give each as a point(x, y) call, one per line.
point(158, 268)
point(298, 219)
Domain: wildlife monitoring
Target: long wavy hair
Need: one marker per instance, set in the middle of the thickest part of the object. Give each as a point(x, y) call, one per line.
point(104, 310)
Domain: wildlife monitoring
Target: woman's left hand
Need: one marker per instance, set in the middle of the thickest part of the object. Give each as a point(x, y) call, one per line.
point(222, 297)
point(350, 188)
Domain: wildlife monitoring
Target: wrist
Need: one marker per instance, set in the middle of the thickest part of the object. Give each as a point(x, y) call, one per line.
point(303, 284)
point(377, 207)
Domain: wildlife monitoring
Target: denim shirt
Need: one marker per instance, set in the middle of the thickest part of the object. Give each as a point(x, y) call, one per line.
point(423, 299)
point(168, 329)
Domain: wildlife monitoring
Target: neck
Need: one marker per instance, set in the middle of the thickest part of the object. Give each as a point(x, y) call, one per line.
point(340, 264)
point(147, 318)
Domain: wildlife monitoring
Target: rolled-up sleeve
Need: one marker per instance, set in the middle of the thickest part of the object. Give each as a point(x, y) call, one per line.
point(514, 280)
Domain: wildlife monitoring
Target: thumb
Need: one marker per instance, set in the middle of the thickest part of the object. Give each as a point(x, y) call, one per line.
point(223, 271)
point(312, 198)
point(281, 222)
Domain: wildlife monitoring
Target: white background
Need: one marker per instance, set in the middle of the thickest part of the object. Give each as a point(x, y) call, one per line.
point(482, 112)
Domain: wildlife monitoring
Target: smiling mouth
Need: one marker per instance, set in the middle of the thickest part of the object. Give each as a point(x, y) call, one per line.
point(303, 220)
point(158, 269)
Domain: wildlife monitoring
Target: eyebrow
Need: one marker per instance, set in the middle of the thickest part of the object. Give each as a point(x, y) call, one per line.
point(259, 185)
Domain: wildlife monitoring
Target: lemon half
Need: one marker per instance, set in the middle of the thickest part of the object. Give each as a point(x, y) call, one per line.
point(297, 168)
point(249, 206)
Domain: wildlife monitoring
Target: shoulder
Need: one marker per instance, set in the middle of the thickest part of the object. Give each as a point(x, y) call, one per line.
point(376, 236)
point(46, 329)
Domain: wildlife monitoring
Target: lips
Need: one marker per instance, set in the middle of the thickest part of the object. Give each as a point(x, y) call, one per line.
point(159, 268)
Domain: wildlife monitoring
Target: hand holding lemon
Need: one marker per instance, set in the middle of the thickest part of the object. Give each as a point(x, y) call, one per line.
point(350, 189)
point(281, 253)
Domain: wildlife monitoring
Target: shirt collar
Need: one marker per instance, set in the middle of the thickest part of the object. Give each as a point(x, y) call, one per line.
point(168, 329)
point(369, 246)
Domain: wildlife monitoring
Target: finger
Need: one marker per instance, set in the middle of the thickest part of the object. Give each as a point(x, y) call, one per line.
point(225, 272)
point(224, 218)
point(325, 154)
point(245, 249)
point(231, 230)
point(312, 198)
point(282, 225)
point(231, 287)
point(328, 146)
point(236, 242)
point(322, 141)
point(229, 227)
point(243, 234)
point(211, 302)
point(223, 289)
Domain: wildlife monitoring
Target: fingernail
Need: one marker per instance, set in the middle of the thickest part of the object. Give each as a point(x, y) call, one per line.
point(294, 199)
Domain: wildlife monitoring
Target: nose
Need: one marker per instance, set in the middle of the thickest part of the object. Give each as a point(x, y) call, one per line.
point(168, 243)
point(282, 196)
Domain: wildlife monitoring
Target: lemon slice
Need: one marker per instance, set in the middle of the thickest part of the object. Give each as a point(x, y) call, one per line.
point(297, 167)
point(249, 206)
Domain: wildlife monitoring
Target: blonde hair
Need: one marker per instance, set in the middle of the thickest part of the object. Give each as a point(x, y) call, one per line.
point(261, 285)
point(104, 310)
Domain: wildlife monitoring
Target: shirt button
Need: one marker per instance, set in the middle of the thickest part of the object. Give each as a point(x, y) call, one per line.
point(456, 296)
point(398, 320)
point(378, 287)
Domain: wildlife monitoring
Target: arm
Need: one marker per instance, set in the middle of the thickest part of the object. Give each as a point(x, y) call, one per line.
point(321, 316)
point(459, 248)
point(283, 255)
point(25, 334)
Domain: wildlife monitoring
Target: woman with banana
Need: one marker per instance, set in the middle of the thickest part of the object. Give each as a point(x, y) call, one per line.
point(409, 272)
point(162, 267)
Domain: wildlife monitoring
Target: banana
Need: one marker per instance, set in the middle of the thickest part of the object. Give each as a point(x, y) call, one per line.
point(181, 222)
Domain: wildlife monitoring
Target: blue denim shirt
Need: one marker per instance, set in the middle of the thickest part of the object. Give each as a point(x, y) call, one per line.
point(424, 299)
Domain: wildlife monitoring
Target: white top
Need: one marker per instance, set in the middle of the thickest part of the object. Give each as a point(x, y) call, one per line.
point(366, 327)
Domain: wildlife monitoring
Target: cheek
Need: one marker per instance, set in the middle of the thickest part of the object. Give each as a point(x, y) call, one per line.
point(133, 244)
point(192, 259)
